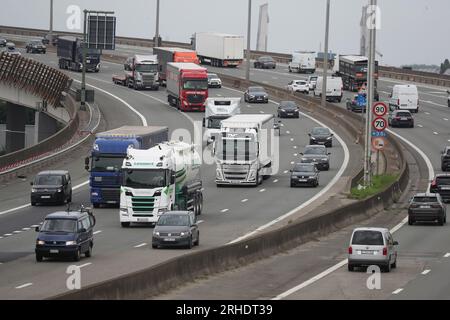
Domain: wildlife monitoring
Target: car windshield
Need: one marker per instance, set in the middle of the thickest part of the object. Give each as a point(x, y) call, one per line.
point(312, 78)
point(104, 164)
point(36, 42)
point(212, 76)
point(173, 220)
point(369, 238)
point(199, 84)
point(48, 180)
point(403, 114)
point(301, 83)
point(146, 67)
point(425, 199)
point(256, 89)
point(303, 168)
point(288, 105)
point(145, 179)
point(314, 150)
point(59, 225)
point(443, 180)
point(321, 131)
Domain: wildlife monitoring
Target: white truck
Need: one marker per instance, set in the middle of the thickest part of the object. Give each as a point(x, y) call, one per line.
point(163, 178)
point(141, 72)
point(217, 110)
point(303, 62)
point(404, 97)
point(219, 49)
point(244, 150)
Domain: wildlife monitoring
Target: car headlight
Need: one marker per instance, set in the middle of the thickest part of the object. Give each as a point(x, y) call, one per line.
point(40, 242)
point(251, 96)
point(59, 190)
point(33, 190)
point(71, 243)
point(282, 110)
point(313, 138)
point(182, 234)
point(329, 138)
point(156, 233)
point(94, 194)
point(303, 159)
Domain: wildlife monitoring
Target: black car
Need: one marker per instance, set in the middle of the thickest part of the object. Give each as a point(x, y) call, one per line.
point(288, 109)
point(176, 228)
point(445, 159)
point(265, 62)
point(317, 155)
point(3, 42)
point(399, 118)
point(256, 94)
point(51, 187)
point(305, 174)
point(36, 46)
point(321, 135)
point(66, 234)
point(353, 105)
point(427, 207)
point(441, 185)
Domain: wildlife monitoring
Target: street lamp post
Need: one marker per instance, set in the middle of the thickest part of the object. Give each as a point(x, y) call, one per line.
point(247, 70)
point(156, 42)
point(325, 57)
point(51, 21)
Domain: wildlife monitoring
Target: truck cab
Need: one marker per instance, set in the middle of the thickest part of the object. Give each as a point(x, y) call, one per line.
point(142, 72)
point(216, 110)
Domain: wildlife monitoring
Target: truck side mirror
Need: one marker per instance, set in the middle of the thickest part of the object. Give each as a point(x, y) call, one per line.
point(31, 183)
point(172, 179)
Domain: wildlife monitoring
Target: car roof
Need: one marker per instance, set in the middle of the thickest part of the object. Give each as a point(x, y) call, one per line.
point(371, 229)
point(73, 215)
point(53, 172)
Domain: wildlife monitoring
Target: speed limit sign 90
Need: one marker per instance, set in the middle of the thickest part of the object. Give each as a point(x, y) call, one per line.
point(379, 109)
point(379, 124)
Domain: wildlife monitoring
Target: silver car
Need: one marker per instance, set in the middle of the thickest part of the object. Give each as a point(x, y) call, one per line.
point(372, 246)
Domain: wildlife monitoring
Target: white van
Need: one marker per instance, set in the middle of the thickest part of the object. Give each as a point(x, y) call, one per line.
point(334, 88)
point(404, 96)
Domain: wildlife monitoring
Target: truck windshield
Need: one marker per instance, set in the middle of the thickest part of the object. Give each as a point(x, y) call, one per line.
point(145, 179)
point(214, 122)
point(104, 164)
point(146, 67)
point(238, 148)
point(197, 84)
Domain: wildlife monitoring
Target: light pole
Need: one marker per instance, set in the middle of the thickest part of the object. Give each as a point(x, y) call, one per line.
point(156, 42)
point(51, 21)
point(247, 69)
point(325, 57)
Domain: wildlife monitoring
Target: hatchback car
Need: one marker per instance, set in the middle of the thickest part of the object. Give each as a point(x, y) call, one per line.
point(53, 186)
point(176, 228)
point(399, 118)
point(321, 135)
point(66, 234)
point(265, 62)
point(445, 159)
point(427, 207)
point(3, 42)
point(372, 246)
point(304, 174)
point(441, 185)
point(288, 109)
point(298, 86)
point(256, 94)
point(317, 155)
point(214, 81)
point(35, 46)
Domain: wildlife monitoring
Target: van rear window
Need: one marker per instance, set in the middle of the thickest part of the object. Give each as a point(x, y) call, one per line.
point(367, 237)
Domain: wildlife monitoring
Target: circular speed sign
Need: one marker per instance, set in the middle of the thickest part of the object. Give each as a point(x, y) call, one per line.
point(379, 124)
point(379, 109)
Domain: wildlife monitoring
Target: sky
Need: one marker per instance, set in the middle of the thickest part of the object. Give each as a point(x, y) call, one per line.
point(412, 31)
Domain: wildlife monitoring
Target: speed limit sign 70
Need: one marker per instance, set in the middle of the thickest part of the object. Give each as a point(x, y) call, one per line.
point(379, 109)
point(379, 124)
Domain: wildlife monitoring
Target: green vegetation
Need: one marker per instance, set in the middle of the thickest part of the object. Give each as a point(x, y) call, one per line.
point(379, 183)
point(445, 66)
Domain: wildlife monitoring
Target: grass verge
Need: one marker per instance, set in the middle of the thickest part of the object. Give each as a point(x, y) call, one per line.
point(379, 183)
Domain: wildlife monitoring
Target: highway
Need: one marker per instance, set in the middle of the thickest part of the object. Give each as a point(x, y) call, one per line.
point(229, 213)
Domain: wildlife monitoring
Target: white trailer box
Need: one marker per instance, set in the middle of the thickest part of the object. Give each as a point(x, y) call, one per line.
point(303, 61)
point(219, 49)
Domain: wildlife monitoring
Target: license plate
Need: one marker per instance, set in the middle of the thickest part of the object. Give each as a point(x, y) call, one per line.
point(366, 252)
point(290, 114)
point(142, 220)
point(54, 251)
point(425, 207)
point(321, 142)
point(403, 118)
point(169, 239)
point(45, 197)
point(302, 180)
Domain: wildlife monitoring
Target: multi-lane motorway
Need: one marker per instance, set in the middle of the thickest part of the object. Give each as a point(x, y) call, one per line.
point(229, 213)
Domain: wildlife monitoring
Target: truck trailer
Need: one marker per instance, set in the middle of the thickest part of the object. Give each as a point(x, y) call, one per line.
point(166, 55)
point(163, 178)
point(187, 86)
point(244, 150)
point(107, 154)
point(353, 71)
point(217, 110)
point(70, 55)
point(219, 49)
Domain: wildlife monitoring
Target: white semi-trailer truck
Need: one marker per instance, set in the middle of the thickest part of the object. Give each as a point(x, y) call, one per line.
point(217, 110)
point(163, 178)
point(244, 149)
point(219, 49)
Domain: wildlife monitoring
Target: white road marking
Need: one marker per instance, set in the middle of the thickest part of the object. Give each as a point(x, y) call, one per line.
point(295, 154)
point(85, 265)
point(249, 106)
point(34, 226)
point(427, 271)
point(427, 113)
point(292, 139)
point(295, 147)
point(275, 181)
point(16, 232)
point(447, 255)
point(445, 119)
point(244, 200)
point(275, 78)
point(7, 234)
point(98, 231)
point(434, 103)
point(292, 162)
point(200, 221)
point(288, 132)
point(397, 291)
point(435, 133)
point(26, 229)
point(262, 190)
point(224, 210)
point(285, 171)
point(140, 245)
point(24, 285)
point(260, 111)
point(420, 126)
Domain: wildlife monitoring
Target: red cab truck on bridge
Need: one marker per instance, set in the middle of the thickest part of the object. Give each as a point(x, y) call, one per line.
point(173, 54)
point(187, 86)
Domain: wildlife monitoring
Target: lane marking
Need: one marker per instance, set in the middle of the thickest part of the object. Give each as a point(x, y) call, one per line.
point(295, 147)
point(434, 103)
point(435, 133)
point(445, 119)
point(275, 181)
point(200, 221)
point(85, 265)
point(7, 234)
point(292, 139)
point(288, 132)
point(98, 231)
point(295, 154)
point(24, 285)
point(34, 226)
point(427, 113)
point(26, 229)
point(292, 162)
point(260, 111)
point(397, 291)
point(285, 171)
point(425, 272)
point(447, 255)
point(16, 232)
point(420, 126)
point(244, 200)
point(224, 210)
point(262, 190)
point(140, 245)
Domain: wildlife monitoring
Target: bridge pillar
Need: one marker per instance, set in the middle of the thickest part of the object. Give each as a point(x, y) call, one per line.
point(44, 126)
point(15, 127)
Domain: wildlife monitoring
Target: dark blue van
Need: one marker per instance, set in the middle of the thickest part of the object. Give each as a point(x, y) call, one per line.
point(66, 234)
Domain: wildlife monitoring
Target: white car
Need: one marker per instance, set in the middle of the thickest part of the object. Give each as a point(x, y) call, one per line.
point(312, 80)
point(298, 86)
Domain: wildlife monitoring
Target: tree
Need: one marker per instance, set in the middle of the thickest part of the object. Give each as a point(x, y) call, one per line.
point(445, 66)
